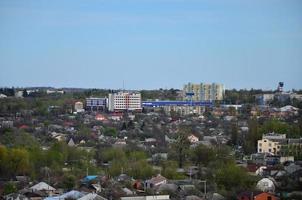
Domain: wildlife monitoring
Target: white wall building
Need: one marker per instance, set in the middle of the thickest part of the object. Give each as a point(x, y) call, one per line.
point(19, 94)
point(193, 139)
point(269, 146)
point(271, 143)
point(54, 91)
point(79, 106)
point(125, 101)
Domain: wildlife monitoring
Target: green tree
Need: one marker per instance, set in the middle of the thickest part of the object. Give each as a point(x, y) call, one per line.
point(18, 161)
point(169, 170)
point(112, 154)
point(117, 167)
point(69, 182)
point(9, 188)
point(231, 179)
point(140, 169)
point(252, 137)
point(234, 134)
point(274, 125)
point(181, 146)
point(110, 131)
point(3, 160)
point(202, 155)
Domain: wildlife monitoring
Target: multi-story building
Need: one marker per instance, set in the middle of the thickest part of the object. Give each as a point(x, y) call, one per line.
point(184, 110)
point(278, 144)
point(203, 92)
point(122, 101)
point(271, 143)
point(94, 103)
point(263, 99)
point(269, 146)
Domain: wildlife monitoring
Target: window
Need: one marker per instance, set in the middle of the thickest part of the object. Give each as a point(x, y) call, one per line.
point(269, 150)
point(269, 144)
point(264, 140)
point(269, 198)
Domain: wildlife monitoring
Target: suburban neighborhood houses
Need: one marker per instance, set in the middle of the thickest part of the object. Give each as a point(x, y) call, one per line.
point(151, 144)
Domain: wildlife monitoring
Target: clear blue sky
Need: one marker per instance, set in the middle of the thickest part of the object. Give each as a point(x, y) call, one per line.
point(150, 43)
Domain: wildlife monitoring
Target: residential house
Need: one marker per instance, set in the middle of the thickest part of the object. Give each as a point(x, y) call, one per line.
point(123, 178)
point(155, 181)
point(73, 194)
point(153, 197)
point(33, 194)
point(71, 143)
point(193, 197)
point(92, 196)
point(128, 192)
point(120, 143)
point(43, 187)
point(7, 124)
point(193, 139)
point(15, 196)
point(256, 196)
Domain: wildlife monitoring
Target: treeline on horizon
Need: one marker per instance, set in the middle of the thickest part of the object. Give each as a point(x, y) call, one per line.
point(232, 96)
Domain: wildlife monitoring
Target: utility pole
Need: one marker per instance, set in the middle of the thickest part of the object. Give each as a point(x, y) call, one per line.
point(205, 188)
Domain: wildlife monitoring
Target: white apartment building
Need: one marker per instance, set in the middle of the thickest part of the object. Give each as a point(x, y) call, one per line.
point(203, 91)
point(125, 101)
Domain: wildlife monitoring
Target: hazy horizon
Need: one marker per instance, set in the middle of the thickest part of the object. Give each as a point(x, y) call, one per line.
point(138, 89)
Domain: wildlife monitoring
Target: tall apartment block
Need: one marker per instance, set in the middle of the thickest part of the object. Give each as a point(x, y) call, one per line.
point(203, 92)
point(121, 101)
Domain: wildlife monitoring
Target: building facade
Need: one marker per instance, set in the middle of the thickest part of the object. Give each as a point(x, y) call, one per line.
point(94, 103)
point(78, 106)
point(264, 99)
point(269, 146)
point(125, 101)
point(203, 92)
point(271, 143)
point(278, 144)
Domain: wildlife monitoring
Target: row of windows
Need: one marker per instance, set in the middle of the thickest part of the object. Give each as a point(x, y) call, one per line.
point(130, 97)
point(123, 107)
point(122, 103)
point(131, 101)
point(127, 106)
point(269, 144)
